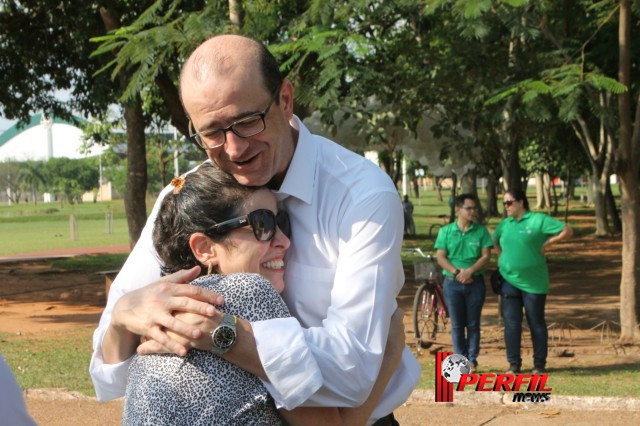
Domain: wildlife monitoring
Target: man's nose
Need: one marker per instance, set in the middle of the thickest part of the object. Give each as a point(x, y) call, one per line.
point(235, 146)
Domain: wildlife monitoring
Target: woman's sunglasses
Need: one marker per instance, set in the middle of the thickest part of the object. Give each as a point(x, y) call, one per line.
point(509, 202)
point(262, 221)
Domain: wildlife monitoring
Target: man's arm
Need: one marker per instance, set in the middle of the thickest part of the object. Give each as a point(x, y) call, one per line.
point(357, 415)
point(466, 274)
point(444, 262)
point(347, 346)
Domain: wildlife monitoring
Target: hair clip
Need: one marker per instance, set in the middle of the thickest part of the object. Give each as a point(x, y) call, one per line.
point(178, 183)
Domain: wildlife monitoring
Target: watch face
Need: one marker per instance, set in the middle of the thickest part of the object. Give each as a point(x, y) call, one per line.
point(224, 337)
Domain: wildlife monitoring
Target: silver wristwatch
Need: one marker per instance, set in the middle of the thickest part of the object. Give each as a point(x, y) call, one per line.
point(224, 336)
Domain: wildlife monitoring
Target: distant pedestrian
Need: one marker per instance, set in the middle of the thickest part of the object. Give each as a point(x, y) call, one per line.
point(409, 225)
point(520, 240)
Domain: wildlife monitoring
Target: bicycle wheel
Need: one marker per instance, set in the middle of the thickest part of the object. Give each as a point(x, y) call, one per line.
point(433, 231)
point(425, 315)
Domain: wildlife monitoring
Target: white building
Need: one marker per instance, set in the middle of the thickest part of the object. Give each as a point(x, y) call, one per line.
point(43, 138)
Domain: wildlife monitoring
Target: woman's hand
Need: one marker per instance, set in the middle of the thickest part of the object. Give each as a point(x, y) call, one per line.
point(202, 342)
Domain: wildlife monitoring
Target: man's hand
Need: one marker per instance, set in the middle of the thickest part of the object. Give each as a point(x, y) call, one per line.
point(465, 276)
point(148, 311)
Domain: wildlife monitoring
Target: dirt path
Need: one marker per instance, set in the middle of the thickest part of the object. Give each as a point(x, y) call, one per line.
point(36, 298)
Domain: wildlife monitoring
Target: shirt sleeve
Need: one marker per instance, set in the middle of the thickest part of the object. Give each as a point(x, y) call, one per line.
point(340, 360)
point(551, 226)
point(441, 239)
point(141, 268)
point(486, 238)
point(497, 233)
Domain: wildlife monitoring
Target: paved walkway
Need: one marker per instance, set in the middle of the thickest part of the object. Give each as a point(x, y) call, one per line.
point(55, 407)
point(67, 252)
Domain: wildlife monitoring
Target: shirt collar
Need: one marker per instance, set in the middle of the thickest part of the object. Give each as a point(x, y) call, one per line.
point(300, 179)
point(471, 226)
point(526, 215)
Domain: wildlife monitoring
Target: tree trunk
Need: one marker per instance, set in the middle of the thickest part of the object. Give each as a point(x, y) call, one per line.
point(552, 186)
point(600, 206)
point(616, 224)
point(468, 183)
point(452, 198)
point(492, 196)
point(171, 97)
point(627, 167)
point(540, 198)
point(136, 190)
point(236, 14)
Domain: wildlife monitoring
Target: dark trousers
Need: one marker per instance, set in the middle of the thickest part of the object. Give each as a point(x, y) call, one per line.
point(465, 308)
point(387, 421)
point(513, 302)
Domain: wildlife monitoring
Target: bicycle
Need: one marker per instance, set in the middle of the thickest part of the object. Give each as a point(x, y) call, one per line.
point(435, 228)
point(430, 313)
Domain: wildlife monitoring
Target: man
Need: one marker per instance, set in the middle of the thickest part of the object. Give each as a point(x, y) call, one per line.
point(463, 251)
point(409, 225)
point(342, 274)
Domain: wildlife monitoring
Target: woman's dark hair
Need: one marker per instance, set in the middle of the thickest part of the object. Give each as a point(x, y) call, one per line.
point(207, 196)
point(519, 195)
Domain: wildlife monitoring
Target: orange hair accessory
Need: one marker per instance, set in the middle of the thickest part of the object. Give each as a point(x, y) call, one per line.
point(178, 183)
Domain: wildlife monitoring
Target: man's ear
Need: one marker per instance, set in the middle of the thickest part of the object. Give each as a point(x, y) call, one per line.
point(286, 98)
point(203, 248)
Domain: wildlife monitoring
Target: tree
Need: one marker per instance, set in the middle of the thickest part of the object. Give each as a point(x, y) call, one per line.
point(10, 180)
point(32, 175)
point(627, 168)
point(71, 177)
point(46, 47)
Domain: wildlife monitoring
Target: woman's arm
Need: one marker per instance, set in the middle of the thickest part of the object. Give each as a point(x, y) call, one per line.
point(566, 233)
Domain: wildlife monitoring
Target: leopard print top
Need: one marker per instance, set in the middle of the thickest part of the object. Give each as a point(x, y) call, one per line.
point(202, 388)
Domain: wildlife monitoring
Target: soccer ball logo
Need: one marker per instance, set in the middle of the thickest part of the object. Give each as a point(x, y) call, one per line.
point(454, 366)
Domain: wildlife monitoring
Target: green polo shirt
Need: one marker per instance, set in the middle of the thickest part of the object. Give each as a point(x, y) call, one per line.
point(463, 248)
point(521, 261)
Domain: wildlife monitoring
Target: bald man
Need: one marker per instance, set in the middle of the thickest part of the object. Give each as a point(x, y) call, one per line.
point(343, 270)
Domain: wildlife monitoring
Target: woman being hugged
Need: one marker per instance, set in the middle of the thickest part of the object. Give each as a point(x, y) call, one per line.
point(521, 239)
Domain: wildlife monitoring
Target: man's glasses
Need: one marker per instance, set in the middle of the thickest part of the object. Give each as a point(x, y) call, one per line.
point(508, 202)
point(262, 221)
point(244, 128)
point(469, 208)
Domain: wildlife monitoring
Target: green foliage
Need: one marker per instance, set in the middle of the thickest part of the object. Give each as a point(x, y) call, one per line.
point(158, 41)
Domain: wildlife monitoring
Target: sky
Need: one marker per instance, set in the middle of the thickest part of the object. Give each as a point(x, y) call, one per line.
point(5, 124)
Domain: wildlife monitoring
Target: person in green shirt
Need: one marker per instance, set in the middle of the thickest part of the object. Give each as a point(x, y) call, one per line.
point(520, 240)
point(463, 251)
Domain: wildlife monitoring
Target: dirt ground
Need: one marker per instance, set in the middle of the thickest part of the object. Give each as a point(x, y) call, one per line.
point(582, 312)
